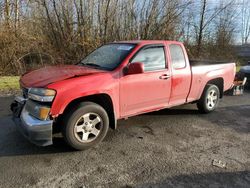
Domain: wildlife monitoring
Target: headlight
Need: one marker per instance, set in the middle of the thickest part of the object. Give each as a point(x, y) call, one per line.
point(37, 110)
point(41, 94)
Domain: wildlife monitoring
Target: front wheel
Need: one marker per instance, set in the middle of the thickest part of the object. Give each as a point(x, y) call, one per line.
point(209, 99)
point(85, 126)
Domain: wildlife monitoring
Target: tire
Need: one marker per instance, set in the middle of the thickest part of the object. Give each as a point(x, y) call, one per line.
point(86, 126)
point(209, 99)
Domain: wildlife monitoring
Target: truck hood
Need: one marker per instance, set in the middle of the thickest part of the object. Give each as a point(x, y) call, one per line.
point(47, 75)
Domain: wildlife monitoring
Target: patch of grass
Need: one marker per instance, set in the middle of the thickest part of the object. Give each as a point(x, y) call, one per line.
point(9, 83)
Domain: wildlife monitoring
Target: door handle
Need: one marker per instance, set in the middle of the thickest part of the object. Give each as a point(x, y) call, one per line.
point(164, 77)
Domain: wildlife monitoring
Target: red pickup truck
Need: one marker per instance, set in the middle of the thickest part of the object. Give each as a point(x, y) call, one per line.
point(118, 80)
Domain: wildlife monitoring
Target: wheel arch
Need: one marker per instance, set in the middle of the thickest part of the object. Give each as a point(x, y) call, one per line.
point(103, 100)
point(219, 82)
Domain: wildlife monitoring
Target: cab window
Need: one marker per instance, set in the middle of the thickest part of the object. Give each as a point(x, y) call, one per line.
point(153, 58)
point(177, 56)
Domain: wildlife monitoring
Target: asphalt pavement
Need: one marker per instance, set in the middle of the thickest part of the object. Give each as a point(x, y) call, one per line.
point(168, 148)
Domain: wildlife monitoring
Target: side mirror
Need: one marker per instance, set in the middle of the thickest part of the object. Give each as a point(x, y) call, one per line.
point(135, 68)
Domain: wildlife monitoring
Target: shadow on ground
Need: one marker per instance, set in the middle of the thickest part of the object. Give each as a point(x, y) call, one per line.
point(16, 145)
point(226, 179)
point(13, 143)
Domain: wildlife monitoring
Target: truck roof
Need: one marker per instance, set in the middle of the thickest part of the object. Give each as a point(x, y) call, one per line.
point(142, 42)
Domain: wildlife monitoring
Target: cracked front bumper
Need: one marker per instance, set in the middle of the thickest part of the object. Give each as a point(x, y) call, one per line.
point(36, 131)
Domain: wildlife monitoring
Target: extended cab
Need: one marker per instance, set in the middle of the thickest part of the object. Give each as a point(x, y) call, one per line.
point(118, 80)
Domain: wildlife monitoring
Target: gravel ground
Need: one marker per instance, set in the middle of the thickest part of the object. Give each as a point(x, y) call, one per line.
point(168, 148)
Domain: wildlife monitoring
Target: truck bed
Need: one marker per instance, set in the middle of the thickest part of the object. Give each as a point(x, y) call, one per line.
point(205, 71)
point(194, 62)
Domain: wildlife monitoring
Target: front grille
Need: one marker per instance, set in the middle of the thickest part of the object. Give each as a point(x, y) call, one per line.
point(25, 92)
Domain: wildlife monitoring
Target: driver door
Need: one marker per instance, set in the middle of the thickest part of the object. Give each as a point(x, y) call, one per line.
point(150, 90)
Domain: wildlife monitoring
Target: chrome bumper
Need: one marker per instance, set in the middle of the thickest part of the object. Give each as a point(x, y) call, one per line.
point(36, 131)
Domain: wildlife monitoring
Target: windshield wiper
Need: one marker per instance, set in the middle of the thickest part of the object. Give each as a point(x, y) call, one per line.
point(91, 64)
point(94, 65)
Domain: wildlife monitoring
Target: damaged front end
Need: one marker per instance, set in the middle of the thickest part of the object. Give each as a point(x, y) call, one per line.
point(32, 118)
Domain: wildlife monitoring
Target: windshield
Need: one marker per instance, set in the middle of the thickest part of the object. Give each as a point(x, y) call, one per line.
point(108, 57)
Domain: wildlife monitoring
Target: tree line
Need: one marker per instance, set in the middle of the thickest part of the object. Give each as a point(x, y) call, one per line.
point(64, 31)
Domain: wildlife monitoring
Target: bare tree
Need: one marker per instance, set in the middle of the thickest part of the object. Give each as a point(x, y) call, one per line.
point(68, 30)
point(207, 17)
point(7, 12)
point(16, 10)
point(245, 27)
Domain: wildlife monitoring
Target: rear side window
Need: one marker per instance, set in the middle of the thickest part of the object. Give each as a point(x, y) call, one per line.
point(177, 56)
point(153, 58)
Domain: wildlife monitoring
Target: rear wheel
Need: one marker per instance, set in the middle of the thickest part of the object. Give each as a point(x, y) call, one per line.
point(209, 99)
point(85, 126)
